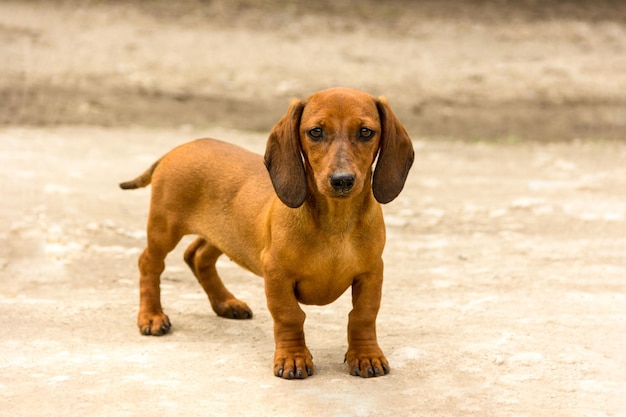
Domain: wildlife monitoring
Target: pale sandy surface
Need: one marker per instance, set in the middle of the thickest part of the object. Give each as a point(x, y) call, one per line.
point(504, 292)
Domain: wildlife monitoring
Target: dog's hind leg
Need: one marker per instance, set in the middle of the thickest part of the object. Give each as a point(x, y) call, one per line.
point(201, 257)
point(161, 240)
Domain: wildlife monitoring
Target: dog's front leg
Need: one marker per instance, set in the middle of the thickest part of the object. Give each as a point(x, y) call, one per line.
point(292, 358)
point(364, 356)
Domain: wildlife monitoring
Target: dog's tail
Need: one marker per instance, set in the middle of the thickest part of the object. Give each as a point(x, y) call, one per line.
point(141, 181)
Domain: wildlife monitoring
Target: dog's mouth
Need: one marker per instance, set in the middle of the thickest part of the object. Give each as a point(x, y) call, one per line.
point(340, 193)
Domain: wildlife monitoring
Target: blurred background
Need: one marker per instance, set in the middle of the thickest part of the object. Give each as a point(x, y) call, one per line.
point(473, 70)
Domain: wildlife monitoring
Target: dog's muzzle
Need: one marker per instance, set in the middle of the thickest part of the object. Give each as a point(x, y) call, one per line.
point(342, 182)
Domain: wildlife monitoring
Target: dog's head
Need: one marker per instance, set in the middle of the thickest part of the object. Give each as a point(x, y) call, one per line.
point(330, 141)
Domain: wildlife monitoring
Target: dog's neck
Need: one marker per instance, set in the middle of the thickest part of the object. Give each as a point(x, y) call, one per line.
point(339, 214)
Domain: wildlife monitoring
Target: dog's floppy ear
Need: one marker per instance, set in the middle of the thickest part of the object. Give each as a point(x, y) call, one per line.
point(395, 156)
point(283, 157)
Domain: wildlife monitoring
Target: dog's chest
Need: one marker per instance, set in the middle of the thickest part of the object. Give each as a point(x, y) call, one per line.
point(327, 270)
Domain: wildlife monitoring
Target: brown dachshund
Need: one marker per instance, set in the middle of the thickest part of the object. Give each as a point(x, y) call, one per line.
point(311, 228)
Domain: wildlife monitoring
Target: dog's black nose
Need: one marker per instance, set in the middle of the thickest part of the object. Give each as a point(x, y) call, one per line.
point(342, 181)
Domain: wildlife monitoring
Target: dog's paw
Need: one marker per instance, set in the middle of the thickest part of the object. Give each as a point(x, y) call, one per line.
point(293, 364)
point(153, 324)
point(233, 309)
point(367, 364)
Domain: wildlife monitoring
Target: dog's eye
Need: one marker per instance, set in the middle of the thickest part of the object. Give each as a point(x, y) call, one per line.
point(366, 133)
point(316, 133)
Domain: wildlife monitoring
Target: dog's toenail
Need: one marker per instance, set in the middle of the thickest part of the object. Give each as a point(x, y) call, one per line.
point(280, 373)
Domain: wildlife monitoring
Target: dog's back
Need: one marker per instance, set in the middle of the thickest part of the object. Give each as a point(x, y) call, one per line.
point(208, 177)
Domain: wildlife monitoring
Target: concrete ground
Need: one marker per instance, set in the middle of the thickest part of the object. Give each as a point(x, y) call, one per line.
point(504, 292)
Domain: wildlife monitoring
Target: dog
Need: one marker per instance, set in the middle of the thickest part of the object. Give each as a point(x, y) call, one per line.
point(307, 218)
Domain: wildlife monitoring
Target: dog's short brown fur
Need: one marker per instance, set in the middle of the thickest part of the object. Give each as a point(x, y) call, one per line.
point(311, 228)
